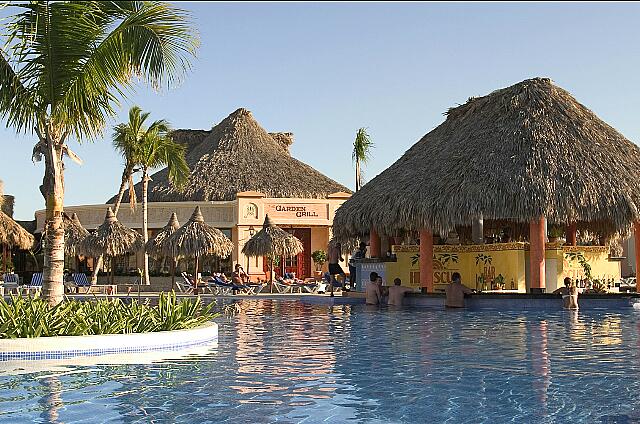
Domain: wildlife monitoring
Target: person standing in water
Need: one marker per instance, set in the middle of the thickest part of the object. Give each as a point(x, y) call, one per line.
point(396, 293)
point(455, 292)
point(569, 294)
point(373, 293)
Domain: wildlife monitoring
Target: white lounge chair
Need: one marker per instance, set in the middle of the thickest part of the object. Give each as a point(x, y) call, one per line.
point(186, 284)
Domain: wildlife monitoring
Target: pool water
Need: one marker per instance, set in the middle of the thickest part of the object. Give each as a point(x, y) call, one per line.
point(284, 361)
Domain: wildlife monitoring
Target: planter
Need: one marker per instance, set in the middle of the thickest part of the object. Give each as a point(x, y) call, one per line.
point(65, 347)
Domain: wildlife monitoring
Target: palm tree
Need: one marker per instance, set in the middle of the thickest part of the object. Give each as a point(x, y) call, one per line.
point(361, 153)
point(126, 138)
point(63, 67)
point(154, 149)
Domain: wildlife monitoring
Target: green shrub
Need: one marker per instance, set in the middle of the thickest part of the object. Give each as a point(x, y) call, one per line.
point(33, 317)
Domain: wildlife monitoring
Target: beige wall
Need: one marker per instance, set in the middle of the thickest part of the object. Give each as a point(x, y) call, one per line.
point(238, 215)
point(217, 214)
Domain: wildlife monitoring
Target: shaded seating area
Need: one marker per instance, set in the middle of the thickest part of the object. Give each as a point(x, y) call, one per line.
point(561, 172)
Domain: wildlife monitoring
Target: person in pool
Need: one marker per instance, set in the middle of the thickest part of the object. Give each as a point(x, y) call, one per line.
point(373, 294)
point(396, 293)
point(569, 294)
point(455, 292)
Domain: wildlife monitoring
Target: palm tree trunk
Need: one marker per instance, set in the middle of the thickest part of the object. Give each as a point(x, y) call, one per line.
point(357, 174)
point(145, 226)
point(126, 174)
point(52, 189)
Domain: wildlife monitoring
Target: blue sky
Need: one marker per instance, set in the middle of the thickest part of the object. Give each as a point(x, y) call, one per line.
point(322, 71)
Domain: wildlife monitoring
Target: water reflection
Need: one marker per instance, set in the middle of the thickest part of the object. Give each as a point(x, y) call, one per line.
point(289, 362)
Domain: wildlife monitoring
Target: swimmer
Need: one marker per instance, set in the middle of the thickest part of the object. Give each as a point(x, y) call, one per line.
point(373, 293)
point(396, 293)
point(569, 294)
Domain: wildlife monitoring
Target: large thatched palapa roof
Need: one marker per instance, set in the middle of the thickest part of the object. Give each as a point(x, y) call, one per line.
point(239, 155)
point(516, 154)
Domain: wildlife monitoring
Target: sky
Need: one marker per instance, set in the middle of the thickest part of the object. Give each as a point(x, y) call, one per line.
point(323, 70)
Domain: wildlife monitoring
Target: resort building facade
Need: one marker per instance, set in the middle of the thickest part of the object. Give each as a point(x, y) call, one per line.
point(239, 174)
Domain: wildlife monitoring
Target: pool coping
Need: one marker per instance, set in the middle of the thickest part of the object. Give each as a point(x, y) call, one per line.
point(65, 347)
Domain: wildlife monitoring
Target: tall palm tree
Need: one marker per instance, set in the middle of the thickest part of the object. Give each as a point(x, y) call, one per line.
point(361, 154)
point(126, 139)
point(63, 67)
point(155, 149)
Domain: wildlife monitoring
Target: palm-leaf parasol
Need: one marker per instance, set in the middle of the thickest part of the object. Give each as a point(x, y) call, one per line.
point(74, 233)
point(155, 245)
point(272, 241)
point(111, 239)
point(196, 238)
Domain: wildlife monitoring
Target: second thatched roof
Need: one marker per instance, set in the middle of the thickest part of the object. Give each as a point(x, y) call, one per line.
point(111, 238)
point(238, 155)
point(74, 232)
point(196, 238)
point(155, 245)
point(272, 241)
point(519, 153)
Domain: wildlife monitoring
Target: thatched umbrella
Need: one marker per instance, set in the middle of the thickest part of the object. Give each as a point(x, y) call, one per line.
point(74, 233)
point(13, 234)
point(155, 245)
point(272, 241)
point(112, 239)
point(196, 238)
point(514, 155)
point(260, 162)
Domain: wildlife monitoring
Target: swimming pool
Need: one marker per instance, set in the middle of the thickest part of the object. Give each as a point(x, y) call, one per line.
point(285, 361)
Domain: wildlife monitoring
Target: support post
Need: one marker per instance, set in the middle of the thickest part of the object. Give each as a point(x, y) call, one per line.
point(374, 243)
point(571, 234)
point(426, 260)
point(477, 230)
point(536, 255)
point(636, 231)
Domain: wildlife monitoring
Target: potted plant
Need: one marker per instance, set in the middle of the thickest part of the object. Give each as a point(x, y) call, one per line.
point(319, 258)
point(555, 232)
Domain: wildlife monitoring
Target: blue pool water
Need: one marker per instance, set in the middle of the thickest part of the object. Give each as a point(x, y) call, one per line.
point(290, 362)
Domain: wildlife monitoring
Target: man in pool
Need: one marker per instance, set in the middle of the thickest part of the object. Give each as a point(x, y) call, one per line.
point(372, 292)
point(569, 294)
point(396, 293)
point(455, 292)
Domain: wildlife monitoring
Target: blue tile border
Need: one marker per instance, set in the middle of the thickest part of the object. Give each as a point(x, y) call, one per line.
point(102, 343)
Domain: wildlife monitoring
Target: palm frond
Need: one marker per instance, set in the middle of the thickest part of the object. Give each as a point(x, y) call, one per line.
point(362, 146)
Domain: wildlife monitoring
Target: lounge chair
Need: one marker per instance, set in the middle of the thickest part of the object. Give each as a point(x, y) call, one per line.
point(35, 284)
point(254, 288)
point(186, 284)
point(10, 282)
point(282, 287)
point(80, 280)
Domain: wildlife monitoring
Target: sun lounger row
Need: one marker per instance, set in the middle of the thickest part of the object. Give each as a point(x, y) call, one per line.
point(11, 283)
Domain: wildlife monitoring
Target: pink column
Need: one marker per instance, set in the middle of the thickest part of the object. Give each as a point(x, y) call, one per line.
point(536, 255)
point(374, 244)
point(426, 260)
point(571, 234)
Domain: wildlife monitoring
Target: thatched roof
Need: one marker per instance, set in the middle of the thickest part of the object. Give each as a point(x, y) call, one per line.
point(155, 245)
point(272, 241)
point(196, 238)
point(74, 232)
point(111, 238)
point(516, 154)
point(12, 233)
point(239, 155)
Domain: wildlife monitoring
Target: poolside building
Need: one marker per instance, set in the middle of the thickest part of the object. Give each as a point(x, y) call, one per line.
point(486, 192)
point(239, 173)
